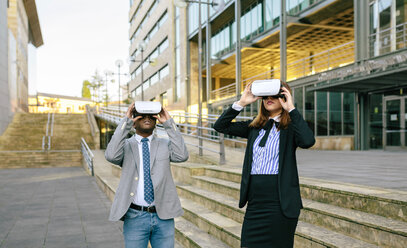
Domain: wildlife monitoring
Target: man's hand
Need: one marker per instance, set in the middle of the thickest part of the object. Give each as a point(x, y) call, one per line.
point(163, 116)
point(129, 113)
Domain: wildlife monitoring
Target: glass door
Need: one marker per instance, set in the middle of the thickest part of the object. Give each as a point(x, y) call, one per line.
point(395, 122)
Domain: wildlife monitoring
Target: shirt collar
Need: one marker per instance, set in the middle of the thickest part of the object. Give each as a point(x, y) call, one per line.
point(276, 119)
point(139, 137)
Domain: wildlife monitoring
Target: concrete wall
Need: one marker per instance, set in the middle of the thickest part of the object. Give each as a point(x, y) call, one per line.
point(5, 109)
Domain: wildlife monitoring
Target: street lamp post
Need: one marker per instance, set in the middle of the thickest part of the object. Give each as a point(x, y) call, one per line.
point(219, 4)
point(119, 63)
point(142, 47)
point(107, 73)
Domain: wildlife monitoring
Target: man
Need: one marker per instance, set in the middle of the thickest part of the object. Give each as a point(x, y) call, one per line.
point(146, 198)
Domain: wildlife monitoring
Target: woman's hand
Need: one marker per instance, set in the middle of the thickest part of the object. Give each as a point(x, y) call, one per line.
point(247, 96)
point(287, 105)
point(163, 116)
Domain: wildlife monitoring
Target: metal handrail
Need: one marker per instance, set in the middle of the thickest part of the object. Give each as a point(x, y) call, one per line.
point(326, 60)
point(388, 40)
point(52, 124)
point(88, 115)
point(87, 155)
point(50, 121)
point(184, 122)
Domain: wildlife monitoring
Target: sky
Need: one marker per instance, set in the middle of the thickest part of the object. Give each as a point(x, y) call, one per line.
point(80, 37)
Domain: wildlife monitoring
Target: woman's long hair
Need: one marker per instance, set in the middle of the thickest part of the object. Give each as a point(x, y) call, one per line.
point(263, 116)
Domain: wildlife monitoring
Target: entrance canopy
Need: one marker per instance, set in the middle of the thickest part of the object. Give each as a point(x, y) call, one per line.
point(387, 72)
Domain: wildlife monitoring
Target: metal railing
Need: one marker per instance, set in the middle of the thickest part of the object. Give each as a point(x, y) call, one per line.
point(188, 124)
point(320, 62)
point(49, 132)
point(87, 155)
point(388, 40)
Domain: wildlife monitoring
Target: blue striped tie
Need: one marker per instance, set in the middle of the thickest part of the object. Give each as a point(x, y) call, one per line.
point(148, 184)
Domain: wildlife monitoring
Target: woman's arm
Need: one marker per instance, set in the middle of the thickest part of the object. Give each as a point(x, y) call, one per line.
point(225, 125)
point(304, 137)
point(241, 128)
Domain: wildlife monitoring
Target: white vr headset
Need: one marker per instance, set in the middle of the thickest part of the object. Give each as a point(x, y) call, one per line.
point(268, 87)
point(146, 108)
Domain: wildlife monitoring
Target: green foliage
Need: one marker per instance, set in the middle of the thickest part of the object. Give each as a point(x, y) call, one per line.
point(86, 89)
point(127, 100)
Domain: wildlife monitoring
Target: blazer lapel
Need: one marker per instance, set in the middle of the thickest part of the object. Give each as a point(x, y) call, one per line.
point(255, 134)
point(153, 150)
point(134, 149)
point(283, 142)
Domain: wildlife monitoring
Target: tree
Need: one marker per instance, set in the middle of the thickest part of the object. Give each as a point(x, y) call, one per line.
point(96, 85)
point(86, 89)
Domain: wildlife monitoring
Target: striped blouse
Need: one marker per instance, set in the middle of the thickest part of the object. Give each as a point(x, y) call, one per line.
point(265, 159)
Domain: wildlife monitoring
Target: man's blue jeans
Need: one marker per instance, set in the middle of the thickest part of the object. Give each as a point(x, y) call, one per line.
point(139, 227)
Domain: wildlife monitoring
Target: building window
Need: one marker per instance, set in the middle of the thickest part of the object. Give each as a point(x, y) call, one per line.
point(309, 109)
point(335, 113)
point(164, 99)
point(146, 84)
point(156, 27)
point(298, 99)
point(154, 79)
point(164, 72)
point(376, 121)
point(272, 13)
point(322, 113)
point(348, 113)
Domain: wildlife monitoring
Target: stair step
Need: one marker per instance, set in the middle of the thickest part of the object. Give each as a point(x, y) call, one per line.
point(230, 174)
point(325, 238)
point(218, 185)
point(368, 227)
point(217, 202)
point(177, 244)
point(189, 235)
point(359, 225)
point(307, 235)
point(383, 202)
point(224, 229)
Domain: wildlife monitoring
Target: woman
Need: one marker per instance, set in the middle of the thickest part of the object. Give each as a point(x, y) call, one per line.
point(269, 177)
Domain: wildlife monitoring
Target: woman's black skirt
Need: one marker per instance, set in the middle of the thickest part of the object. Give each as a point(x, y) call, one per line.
point(264, 224)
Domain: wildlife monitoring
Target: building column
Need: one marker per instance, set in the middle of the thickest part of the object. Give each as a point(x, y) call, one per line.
point(283, 42)
point(208, 59)
point(361, 20)
point(238, 11)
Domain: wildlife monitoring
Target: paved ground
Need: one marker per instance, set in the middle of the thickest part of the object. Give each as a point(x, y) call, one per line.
point(54, 207)
point(378, 168)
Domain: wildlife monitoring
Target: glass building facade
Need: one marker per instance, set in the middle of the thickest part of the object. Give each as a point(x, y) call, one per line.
point(320, 42)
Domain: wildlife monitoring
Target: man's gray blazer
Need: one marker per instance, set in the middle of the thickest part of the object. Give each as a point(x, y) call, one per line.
point(125, 153)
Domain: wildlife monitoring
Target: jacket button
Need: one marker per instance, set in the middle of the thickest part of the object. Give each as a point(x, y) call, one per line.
point(136, 178)
point(131, 194)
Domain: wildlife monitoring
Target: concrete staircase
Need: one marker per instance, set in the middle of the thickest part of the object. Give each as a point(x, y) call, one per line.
point(21, 145)
point(68, 130)
point(24, 133)
point(334, 214)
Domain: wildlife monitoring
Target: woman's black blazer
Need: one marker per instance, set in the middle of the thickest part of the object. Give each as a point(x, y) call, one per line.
point(297, 134)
